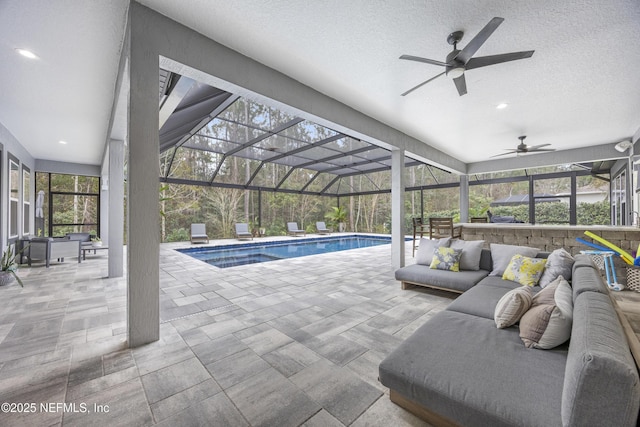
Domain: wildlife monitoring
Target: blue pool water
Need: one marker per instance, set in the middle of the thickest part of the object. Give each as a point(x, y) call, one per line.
point(251, 253)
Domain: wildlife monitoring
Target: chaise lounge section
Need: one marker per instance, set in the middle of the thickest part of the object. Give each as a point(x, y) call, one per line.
point(460, 369)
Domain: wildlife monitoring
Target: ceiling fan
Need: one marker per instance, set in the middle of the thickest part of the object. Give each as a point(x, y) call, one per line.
point(459, 61)
point(523, 148)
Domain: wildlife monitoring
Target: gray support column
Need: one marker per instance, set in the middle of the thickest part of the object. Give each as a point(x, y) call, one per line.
point(397, 208)
point(116, 208)
point(143, 212)
point(464, 198)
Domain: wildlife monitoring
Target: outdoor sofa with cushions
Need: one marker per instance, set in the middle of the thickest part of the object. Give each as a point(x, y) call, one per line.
point(48, 248)
point(471, 272)
point(460, 369)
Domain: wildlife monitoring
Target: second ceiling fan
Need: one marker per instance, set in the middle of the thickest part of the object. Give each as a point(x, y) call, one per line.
point(523, 148)
point(459, 61)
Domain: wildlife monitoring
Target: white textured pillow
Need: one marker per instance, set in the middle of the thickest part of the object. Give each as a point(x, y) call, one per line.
point(426, 248)
point(548, 322)
point(512, 306)
point(501, 256)
point(559, 263)
point(471, 252)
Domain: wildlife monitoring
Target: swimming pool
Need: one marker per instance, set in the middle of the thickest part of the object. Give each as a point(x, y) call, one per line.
point(252, 253)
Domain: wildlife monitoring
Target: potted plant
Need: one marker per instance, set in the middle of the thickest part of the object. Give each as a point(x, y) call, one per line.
point(96, 241)
point(8, 267)
point(338, 217)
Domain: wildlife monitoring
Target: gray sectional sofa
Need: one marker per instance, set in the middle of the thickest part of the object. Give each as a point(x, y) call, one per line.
point(460, 369)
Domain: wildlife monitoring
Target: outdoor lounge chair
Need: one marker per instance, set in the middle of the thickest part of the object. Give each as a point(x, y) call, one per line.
point(322, 228)
point(293, 230)
point(242, 231)
point(199, 233)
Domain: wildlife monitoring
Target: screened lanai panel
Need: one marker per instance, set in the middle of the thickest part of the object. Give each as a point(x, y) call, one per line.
point(269, 175)
point(298, 179)
point(319, 182)
point(214, 145)
point(346, 144)
point(309, 132)
point(280, 144)
point(317, 153)
point(256, 153)
point(193, 164)
point(254, 114)
point(230, 131)
point(235, 170)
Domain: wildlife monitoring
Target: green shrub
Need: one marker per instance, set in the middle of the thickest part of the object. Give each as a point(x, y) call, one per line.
point(178, 235)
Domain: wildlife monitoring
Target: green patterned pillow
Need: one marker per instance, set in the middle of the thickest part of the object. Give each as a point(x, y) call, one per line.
point(446, 259)
point(524, 270)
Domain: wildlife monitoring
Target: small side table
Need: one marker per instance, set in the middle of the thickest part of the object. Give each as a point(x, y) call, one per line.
point(91, 248)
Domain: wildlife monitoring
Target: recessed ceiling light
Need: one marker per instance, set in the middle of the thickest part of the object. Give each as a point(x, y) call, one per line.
point(63, 142)
point(502, 106)
point(26, 53)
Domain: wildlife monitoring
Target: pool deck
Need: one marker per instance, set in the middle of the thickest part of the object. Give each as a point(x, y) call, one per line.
point(288, 343)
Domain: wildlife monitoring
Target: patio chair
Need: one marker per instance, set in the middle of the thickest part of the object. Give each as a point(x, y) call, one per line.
point(293, 230)
point(199, 233)
point(443, 227)
point(322, 228)
point(242, 231)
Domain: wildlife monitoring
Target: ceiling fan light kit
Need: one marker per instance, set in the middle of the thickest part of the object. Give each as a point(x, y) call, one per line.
point(460, 61)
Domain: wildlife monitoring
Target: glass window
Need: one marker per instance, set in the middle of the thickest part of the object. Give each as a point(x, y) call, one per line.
point(26, 200)
point(14, 197)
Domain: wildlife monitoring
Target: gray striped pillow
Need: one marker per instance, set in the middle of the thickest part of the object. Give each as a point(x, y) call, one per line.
point(512, 306)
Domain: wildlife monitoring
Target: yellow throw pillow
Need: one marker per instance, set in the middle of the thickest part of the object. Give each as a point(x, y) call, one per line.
point(524, 270)
point(446, 259)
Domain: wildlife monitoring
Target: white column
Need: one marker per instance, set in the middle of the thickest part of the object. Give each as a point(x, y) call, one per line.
point(397, 208)
point(464, 198)
point(115, 190)
point(143, 211)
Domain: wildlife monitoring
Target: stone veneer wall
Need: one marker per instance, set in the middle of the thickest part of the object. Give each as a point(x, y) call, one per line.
point(550, 237)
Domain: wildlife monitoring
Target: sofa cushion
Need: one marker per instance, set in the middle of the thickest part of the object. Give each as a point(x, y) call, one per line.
point(547, 324)
point(481, 300)
point(559, 263)
point(512, 306)
point(471, 252)
point(462, 366)
point(426, 248)
point(423, 275)
point(524, 270)
point(601, 379)
point(446, 259)
point(502, 254)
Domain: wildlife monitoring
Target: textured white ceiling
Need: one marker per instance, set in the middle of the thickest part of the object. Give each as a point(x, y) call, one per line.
point(580, 87)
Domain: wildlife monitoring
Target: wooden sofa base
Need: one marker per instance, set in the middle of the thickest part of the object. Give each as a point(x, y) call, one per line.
point(420, 411)
point(408, 285)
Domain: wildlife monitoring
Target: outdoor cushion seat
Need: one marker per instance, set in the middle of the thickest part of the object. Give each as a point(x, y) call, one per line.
point(460, 281)
point(439, 368)
point(322, 228)
point(242, 231)
point(199, 233)
point(293, 230)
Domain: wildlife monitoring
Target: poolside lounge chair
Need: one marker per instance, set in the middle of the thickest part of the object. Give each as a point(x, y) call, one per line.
point(292, 228)
point(242, 231)
point(199, 233)
point(322, 228)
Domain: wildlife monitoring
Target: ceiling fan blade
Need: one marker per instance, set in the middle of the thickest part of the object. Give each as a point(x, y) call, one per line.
point(542, 149)
point(472, 47)
point(483, 61)
point(504, 154)
point(537, 147)
point(425, 60)
point(422, 84)
point(461, 85)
